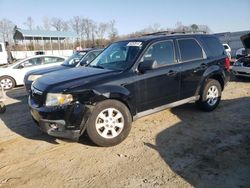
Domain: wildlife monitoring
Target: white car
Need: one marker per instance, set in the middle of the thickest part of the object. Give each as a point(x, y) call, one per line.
point(241, 68)
point(13, 74)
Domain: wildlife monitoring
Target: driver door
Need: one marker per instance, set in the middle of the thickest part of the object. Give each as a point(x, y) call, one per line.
point(159, 86)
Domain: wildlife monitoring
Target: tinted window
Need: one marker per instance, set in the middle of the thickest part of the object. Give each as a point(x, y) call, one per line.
point(214, 46)
point(1, 48)
point(161, 52)
point(190, 49)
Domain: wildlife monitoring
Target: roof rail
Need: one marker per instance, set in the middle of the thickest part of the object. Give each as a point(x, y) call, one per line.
point(174, 32)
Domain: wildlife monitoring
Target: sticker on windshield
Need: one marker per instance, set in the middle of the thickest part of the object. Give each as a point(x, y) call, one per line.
point(134, 44)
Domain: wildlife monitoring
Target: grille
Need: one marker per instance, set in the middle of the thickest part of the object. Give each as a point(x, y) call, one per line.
point(37, 96)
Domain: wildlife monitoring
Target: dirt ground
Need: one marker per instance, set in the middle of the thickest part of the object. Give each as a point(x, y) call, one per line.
point(179, 147)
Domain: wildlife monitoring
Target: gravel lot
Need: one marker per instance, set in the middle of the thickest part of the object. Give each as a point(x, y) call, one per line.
point(179, 147)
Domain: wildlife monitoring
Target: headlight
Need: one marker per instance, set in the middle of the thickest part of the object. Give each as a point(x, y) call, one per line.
point(33, 77)
point(57, 99)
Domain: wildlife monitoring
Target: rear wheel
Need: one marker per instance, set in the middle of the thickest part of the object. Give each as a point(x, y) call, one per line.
point(109, 123)
point(210, 96)
point(7, 82)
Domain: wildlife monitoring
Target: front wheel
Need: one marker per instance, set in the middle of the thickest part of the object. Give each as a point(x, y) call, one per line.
point(109, 123)
point(7, 82)
point(210, 96)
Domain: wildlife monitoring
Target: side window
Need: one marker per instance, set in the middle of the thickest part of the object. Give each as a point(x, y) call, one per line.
point(89, 57)
point(48, 60)
point(214, 46)
point(161, 52)
point(190, 49)
point(32, 62)
point(1, 49)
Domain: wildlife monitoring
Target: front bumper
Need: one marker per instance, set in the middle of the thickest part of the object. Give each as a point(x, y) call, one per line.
point(241, 71)
point(62, 121)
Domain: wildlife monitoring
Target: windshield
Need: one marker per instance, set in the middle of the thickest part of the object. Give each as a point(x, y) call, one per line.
point(118, 56)
point(73, 60)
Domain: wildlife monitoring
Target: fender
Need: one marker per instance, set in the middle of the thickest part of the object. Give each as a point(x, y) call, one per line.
point(215, 72)
point(116, 92)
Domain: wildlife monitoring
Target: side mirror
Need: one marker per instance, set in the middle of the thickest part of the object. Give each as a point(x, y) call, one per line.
point(83, 63)
point(147, 65)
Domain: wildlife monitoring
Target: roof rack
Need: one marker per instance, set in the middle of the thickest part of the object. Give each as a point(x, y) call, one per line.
point(174, 32)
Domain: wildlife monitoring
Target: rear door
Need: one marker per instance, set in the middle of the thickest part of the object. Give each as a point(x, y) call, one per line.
point(193, 64)
point(160, 86)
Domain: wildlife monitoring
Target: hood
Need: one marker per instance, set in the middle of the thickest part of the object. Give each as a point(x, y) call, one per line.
point(71, 78)
point(246, 41)
point(46, 70)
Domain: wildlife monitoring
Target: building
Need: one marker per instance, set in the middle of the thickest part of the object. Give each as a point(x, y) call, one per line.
point(232, 39)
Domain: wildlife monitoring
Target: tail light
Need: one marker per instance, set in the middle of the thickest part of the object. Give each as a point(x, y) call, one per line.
point(227, 61)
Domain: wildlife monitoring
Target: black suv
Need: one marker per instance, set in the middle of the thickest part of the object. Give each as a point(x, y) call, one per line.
point(130, 79)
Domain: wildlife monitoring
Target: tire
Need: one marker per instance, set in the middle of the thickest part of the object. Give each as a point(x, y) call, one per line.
point(2, 108)
point(109, 123)
point(210, 96)
point(7, 82)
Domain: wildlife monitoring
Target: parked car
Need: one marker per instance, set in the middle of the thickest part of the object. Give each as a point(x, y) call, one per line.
point(241, 68)
point(228, 50)
point(13, 74)
point(79, 58)
point(130, 79)
point(240, 53)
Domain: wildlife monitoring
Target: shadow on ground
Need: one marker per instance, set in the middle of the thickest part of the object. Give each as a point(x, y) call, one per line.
point(209, 149)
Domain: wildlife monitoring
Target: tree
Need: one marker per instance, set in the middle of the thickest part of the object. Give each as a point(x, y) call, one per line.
point(75, 23)
point(59, 24)
point(113, 32)
point(6, 30)
point(101, 30)
point(29, 23)
point(46, 23)
point(194, 27)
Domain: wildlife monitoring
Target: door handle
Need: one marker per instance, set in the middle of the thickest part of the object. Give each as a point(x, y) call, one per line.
point(201, 67)
point(171, 73)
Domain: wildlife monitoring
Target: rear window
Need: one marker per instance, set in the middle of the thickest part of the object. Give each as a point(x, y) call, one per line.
point(190, 49)
point(214, 46)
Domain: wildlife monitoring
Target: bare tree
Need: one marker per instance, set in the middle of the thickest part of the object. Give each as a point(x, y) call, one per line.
point(56, 23)
point(29, 23)
point(101, 30)
point(46, 23)
point(75, 24)
point(6, 30)
point(113, 32)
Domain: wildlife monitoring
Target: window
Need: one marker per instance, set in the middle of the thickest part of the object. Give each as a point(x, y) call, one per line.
point(161, 52)
point(89, 57)
point(190, 49)
point(48, 60)
point(118, 56)
point(31, 62)
point(214, 46)
point(1, 49)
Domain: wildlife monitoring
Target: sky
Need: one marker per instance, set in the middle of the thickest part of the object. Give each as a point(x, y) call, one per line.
point(135, 15)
